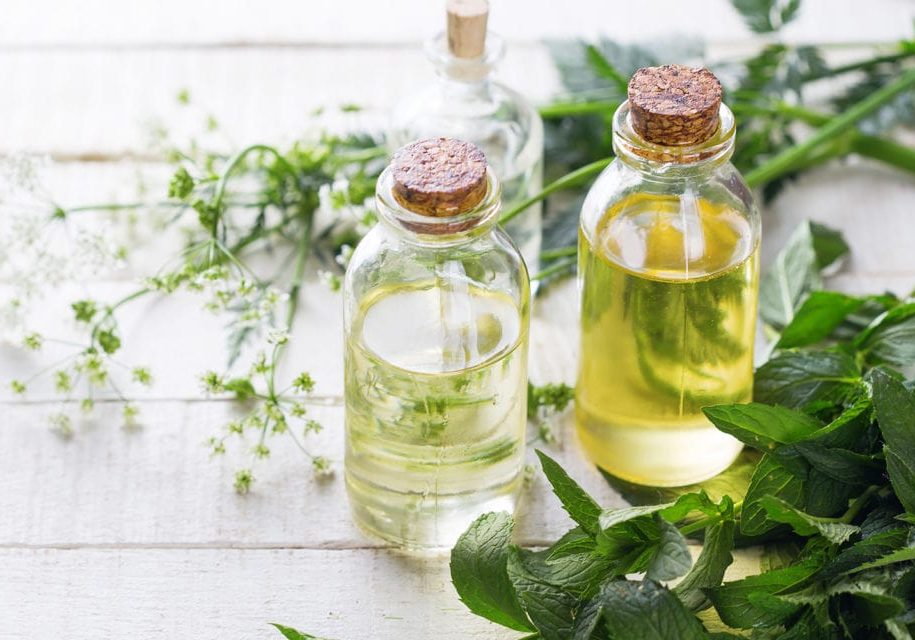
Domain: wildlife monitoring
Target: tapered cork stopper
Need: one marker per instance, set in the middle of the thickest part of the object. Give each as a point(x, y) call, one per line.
point(467, 27)
point(439, 177)
point(673, 105)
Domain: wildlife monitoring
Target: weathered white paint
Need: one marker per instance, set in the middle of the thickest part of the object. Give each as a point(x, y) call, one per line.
point(94, 22)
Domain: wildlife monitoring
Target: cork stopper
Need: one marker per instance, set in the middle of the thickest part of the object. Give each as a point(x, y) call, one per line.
point(673, 105)
point(467, 27)
point(439, 177)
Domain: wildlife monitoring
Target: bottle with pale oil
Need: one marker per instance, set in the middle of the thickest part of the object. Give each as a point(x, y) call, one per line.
point(436, 322)
point(668, 273)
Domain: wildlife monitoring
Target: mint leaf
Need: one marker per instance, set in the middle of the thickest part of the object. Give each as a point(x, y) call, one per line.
point(796, 379)
point(895, 407)
point(587, 618)
point(579, 505)
point(890, 338)
point(647, 611)
point(794, 273)
point(671, 558)
point(549, 607)
point(761, 426)
point(292, 634)
point(739, 603)
point(840, 465)
point(828, 244)
point(900, 555)
point(708, 571)
point(770, 478)
point(805, 524)
point(817, 318)
point(479, 572)
point(867, 550)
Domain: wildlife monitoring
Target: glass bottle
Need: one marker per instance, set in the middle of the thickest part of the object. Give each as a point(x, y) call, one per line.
point(466, 103)
point(436, 323)
point(668, 273)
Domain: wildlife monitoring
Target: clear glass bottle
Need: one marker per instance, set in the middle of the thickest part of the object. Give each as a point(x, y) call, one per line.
point(466, 103)
point(668, 273)
point(436, 323)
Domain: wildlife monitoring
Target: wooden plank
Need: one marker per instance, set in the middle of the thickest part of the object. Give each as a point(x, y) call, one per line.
point(114, 100)
point(230, 593)
point(157, 486)
point(95, 22)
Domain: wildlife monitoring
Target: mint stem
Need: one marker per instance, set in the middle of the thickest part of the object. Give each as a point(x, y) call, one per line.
point(567, 181)
point(788, 160)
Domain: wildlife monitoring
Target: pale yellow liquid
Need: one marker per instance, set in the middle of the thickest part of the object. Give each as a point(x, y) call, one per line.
point(435, 411)
point(669, 289)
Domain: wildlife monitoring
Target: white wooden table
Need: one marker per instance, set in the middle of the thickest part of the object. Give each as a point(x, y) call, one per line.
point(138, 534)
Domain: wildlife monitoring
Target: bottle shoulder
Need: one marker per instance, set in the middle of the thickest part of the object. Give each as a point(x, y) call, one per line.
point(499, 120)
point(385, 256)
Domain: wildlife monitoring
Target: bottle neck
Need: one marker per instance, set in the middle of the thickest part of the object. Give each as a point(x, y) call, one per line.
point(465, 74)
point(451, 230)
point(673, 162)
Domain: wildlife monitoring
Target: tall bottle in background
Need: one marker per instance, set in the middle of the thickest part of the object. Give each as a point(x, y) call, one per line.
point(668, 272)
point(466, 103)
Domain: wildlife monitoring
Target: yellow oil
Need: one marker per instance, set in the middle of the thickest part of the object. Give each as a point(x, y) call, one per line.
point(669, 289)
point(435, 410)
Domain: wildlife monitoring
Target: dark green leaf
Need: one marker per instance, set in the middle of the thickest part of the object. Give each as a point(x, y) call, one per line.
point(840, 465)
point(479, 572)
point(828, 243)
point(770, 478)
point(796, 379)
point(579, 505)
point(817, 317)
point(895, 407)
point(671, 558)
point(587, 619)
point(548, 606)
point(900, 555)
point(762, 426)
point(732, 599)
point(863, 551)
point(890, 338)
point(708, 571)
point(805, 524)
point(647, 611)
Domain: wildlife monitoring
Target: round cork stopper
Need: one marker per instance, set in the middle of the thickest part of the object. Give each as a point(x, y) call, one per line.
point(673, 105)
point(467, 27)
point(439, 177)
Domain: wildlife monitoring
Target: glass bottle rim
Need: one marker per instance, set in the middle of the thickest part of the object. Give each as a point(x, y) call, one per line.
point(467, 69)
point(439, 229)
point(633, 148)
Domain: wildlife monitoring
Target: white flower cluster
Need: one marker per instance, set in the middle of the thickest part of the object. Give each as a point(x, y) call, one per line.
point(40, 247)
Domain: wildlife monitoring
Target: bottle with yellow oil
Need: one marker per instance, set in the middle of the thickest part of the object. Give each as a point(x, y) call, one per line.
point(436, 314)
point(668, 272)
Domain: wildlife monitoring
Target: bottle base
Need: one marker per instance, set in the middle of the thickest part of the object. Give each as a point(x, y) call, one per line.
point(424, 522)
point(657, 456)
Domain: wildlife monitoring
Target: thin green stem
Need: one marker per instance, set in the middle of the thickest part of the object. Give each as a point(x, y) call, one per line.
point(559, 267)
point(564, 252)
point(573, 179)
point(565, 109)
point(859, 65)
point(789, 159)
point(859, 503)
